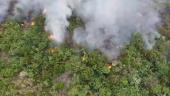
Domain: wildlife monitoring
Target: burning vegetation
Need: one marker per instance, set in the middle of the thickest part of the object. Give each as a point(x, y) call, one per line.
point(33, 64)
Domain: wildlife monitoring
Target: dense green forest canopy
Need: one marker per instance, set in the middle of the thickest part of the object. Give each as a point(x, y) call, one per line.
point(31, 65)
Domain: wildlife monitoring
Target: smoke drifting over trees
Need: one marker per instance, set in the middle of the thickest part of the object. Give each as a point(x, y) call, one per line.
point(108, 27)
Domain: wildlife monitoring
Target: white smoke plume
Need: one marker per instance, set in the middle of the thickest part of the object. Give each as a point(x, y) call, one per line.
point(4, 4)
point(57, 13)
point(109, 24)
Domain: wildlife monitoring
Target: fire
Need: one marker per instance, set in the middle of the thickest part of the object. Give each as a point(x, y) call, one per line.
point(110, 66)
point(51, 37)
point(22, 24)
point(52, 50)
point(44, 12)
point(113, 64)
point(32, 23)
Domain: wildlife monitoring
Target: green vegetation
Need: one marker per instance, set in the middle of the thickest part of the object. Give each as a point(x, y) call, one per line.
point(30, 65)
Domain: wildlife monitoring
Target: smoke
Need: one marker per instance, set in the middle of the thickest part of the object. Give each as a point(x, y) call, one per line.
point(109, 24)
point(4, 4)
point(24, 8)
point(57, 13)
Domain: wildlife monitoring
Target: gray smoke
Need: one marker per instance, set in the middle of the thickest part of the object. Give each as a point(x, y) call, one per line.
point(109, 24)
point(24, 7)
point(4, 4)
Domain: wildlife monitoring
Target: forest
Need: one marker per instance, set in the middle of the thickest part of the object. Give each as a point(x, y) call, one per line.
point(32, 65)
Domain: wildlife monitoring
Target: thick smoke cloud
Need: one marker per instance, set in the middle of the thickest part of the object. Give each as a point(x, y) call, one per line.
point(109, 24)
point(56, 15)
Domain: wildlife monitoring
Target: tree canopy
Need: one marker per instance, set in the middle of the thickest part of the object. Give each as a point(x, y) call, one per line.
point(31, 65)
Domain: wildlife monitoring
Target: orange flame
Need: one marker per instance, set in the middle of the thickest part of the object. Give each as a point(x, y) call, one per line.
point(51, 37)
point(32, 23)
point(109, 66)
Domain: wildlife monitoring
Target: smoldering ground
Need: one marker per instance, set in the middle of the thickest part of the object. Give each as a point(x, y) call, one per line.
point(108, 27)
